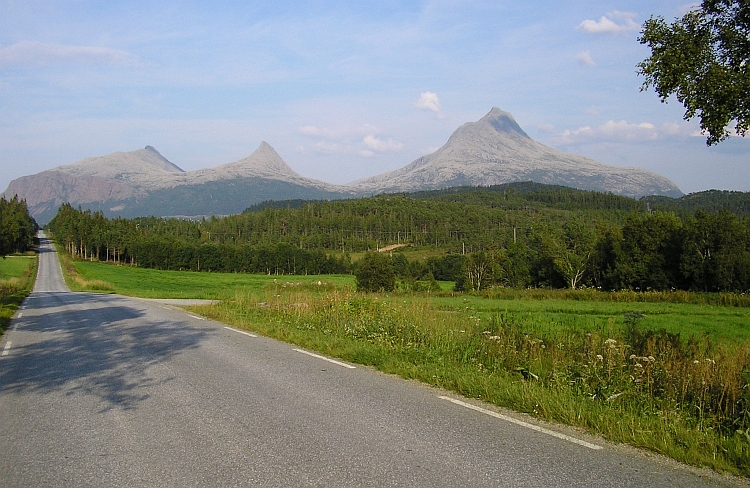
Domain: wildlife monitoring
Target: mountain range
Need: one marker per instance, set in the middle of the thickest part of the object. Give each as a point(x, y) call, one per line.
point(491, 151)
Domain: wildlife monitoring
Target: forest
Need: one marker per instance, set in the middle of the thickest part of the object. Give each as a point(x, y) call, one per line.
point(520, 235)
point(17, 227)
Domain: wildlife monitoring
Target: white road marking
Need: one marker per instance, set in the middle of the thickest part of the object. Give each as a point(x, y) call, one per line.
point(524, 424)
point(6, 349)
point(326, 359)
point(20, 314)
point(241, 332)
point(196, 317)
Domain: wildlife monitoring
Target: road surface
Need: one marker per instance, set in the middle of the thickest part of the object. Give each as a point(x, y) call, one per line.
point(104, 390)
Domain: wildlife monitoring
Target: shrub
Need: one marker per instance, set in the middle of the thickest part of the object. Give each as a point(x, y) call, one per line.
point(375, 273)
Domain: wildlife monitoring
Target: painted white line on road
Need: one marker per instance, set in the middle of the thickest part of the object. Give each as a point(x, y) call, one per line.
point(6, 349)
point(196, 317)
point(326, 359)
point(524, 424)
point(20, 314)
point(241, 332)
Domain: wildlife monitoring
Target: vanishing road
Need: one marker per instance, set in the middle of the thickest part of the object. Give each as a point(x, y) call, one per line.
point(104, 390)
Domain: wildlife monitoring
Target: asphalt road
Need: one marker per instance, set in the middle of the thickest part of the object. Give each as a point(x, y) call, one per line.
point(104, 390)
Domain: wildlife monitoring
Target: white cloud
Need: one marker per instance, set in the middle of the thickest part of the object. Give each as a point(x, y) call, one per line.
point(615, 22)
point(338, 134)
point(328, 148)
point(29, 53)
point(548, 128)
point(622, 131)
point(585, 59)
point(372, 143)
point(592, 110)
point(429, 101)
point(312, 130)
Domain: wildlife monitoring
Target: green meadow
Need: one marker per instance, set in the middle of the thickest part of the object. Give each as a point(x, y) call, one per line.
point(151, 283)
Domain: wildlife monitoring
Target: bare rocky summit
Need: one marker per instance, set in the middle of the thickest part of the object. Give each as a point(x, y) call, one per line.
point(495, 150)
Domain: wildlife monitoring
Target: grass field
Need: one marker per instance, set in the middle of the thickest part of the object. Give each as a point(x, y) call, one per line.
point(151, 283)
point(616, 368)
point(16, 281)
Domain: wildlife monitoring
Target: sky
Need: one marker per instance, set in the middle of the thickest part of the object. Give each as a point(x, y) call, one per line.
point(342, 90)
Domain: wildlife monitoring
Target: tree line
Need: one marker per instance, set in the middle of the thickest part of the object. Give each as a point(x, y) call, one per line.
point(478, 239)
point(89, 235)
point(17, 227)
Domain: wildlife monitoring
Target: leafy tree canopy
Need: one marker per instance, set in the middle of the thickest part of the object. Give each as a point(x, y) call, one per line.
point(703, 59)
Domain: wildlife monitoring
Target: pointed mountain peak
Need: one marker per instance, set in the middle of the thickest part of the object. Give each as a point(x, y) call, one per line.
point(502, 122)
point(264, 162)
point(266, 158)
point(167, 164)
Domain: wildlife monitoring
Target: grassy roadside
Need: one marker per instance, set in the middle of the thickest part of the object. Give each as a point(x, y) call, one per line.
point(17, 275)
point(671, 377)
point(679, 398)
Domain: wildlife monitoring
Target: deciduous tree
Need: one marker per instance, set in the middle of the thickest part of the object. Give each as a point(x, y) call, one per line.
point(703, 59)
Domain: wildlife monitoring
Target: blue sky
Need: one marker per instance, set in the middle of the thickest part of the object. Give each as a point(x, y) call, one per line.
point(342, 90)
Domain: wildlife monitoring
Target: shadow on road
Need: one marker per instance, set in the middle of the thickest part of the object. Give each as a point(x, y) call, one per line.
point(94, 345)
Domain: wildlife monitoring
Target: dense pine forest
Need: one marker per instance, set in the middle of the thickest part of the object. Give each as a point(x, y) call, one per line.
point(518, 235)
point(17, 227)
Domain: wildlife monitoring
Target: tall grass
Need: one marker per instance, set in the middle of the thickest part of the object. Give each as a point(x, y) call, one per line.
point(686, 398)
point(16, 281)
point(76, 281)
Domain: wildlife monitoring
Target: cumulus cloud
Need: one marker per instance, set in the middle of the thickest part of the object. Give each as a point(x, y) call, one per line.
point(372, 143)
point(585, 59)
point(29, 53)
point(349, 140)
point(429, 101)
point(592, 110)
point(338, 134)
point(328, 148)
point(622, 131)
point(615, 22)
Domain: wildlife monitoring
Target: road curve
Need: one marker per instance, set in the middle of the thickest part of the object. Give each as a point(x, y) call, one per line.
point(104, 390)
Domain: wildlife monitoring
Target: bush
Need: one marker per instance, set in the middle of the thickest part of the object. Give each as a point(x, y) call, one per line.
point(375, 273)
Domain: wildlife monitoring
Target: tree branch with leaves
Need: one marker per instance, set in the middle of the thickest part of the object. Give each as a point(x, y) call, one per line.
point(703, 59)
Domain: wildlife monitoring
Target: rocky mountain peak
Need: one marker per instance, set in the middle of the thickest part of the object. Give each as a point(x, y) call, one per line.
point(264, 162)
point(166, 164)
point(495, 150)
point(502, 122)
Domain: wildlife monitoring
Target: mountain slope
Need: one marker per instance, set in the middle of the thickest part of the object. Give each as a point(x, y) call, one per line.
point(495, 150)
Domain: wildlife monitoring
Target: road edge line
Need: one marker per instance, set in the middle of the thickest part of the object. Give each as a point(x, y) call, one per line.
point(537, 428)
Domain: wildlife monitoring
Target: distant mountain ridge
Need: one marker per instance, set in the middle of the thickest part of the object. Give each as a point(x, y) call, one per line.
point(492, 151)
point(143, 182)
